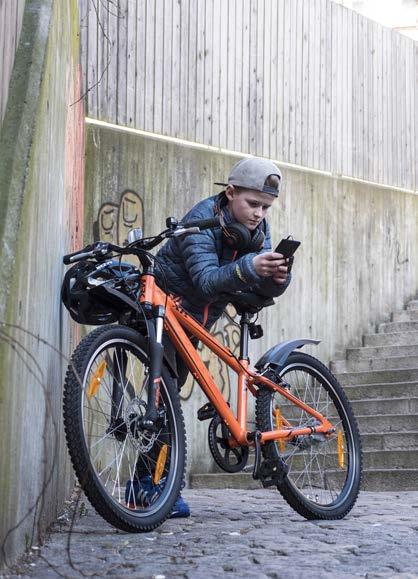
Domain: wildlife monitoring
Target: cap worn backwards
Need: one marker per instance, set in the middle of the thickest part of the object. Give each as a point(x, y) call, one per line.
point(252, 173)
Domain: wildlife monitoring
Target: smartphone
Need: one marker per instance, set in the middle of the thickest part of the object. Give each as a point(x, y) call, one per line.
point(287, 247)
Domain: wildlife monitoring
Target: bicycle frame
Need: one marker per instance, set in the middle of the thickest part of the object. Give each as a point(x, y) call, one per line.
point(176, 322)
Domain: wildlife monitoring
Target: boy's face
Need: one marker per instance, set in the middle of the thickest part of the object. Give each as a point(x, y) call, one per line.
point(247, 206)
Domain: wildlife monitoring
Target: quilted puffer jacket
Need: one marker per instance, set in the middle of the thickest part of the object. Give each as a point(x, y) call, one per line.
point(203, 270)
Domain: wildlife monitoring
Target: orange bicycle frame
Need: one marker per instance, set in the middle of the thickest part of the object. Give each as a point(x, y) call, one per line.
point(176, 323)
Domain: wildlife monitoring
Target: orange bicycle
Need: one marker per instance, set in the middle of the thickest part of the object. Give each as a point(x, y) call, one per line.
point(122, 413)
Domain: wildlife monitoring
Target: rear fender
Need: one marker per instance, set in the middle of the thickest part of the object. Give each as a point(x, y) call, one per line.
point(278, 354)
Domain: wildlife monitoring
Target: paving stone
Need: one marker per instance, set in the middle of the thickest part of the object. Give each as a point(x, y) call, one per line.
point(241, 533)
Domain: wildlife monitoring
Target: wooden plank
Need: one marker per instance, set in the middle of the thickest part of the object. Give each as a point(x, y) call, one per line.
point(348, 170)
point(223, 75)
point(266, 42)
point(246, 38)
point(280, 80)
point(394, 112)
point(252, 124)
point(185, 32)
point(271, 31)
point(230, 86)
point(287, 71)
point(141, 81)
point(388, 107)
point(319, 95)
point(92, 77)
point(121, 57)
point(298, 137)
point(167, 62)
point(307, 77)
point(159, 77)
point(150, 57)
point(208, 73)
point(238, 72)
point(345, 101)
point(175, 102)
point(293, 39)
point(325, 163)
point(131, 59)
point(379, 101)
point(191, 117)
point(335, 91)
point(200, 71)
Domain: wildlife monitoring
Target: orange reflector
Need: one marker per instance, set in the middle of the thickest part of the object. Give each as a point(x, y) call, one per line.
point(278, 419)
point(159, 467)
point(95, 381)
point(340, 448)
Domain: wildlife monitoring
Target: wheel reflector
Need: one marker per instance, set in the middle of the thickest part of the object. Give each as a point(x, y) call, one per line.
point(278, 419)
point(340, 447)
point(159, 467)
point(96, 379)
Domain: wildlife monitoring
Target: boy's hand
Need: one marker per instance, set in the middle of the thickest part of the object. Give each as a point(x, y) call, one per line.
point(271, 265)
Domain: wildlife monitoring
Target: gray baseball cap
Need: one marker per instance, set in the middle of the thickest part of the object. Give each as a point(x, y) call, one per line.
point(252, 173)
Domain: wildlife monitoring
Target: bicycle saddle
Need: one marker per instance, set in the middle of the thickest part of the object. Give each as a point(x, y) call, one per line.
point(250, 302)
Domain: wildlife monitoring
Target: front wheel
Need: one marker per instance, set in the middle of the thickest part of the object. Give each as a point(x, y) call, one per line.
point(131, 476)
point(324, 471)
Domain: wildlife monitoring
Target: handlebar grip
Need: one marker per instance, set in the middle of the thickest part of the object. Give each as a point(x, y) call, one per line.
point(203, 223)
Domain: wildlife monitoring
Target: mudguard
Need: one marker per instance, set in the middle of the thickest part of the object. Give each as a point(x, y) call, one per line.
point(278, 354)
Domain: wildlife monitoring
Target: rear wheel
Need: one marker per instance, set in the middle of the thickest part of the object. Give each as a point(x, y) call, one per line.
point(324, 475)
point(132, 477)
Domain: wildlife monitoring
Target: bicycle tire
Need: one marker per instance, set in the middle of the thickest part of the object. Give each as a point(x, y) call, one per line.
point(329, 493)
point(94, 424)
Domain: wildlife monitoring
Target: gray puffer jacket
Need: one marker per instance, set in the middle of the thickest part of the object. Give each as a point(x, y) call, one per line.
point(202, 269)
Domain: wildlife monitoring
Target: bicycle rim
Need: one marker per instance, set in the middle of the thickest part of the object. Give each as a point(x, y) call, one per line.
point(113, 399)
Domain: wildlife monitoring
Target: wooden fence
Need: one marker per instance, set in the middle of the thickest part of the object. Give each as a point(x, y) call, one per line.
point(11, 15)
point(307, 82)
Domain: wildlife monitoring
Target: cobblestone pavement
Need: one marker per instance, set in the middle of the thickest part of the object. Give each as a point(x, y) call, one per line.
point(236, 533)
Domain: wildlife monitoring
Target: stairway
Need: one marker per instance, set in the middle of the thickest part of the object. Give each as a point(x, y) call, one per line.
point(381, 380)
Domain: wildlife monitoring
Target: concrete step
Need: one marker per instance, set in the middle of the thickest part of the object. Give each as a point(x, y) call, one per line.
point(405, 316)
point(391, 327)
point(379, 480)
point(368, 353)
point(383, 479)
point(387, 423)
point(379, 376)
point(391, 363)
point(382, 391)
point(390, 441)
point(391, 339)
point(386, 406)
point(412, 305)
point(393, 459)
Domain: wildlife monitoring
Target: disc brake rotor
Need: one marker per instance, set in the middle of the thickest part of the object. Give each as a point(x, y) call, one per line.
point(142, 440)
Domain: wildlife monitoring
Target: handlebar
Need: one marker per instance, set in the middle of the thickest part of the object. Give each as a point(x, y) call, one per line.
point(102, 249)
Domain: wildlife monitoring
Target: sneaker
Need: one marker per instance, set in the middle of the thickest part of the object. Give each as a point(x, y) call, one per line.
point(180, 510)
point(142, 493)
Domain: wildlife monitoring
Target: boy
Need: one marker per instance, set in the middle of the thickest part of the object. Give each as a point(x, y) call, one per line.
point(202, 269)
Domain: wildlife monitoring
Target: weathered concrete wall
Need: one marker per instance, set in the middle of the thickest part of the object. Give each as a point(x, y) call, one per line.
point(41, 201)
point(11, 15)
point(358, 260)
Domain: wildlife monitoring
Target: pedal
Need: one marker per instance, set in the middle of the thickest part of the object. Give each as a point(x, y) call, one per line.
point(207, 411)
point(272, 471)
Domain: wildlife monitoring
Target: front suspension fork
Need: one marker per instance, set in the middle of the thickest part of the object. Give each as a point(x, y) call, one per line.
point(156, 351)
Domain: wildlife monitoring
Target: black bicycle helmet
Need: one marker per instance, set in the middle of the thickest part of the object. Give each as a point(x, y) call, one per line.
point(84, 291)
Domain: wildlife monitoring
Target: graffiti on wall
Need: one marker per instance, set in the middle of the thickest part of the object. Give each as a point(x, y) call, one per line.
point(115, 220)
point(113, 223)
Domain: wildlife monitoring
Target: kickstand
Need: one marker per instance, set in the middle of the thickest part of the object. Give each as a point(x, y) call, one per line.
point(257, 459)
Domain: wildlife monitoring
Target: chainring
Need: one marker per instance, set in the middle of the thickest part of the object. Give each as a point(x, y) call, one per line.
point(227, 458)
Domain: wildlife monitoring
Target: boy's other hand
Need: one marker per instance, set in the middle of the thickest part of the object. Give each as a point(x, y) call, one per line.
point(271, 264)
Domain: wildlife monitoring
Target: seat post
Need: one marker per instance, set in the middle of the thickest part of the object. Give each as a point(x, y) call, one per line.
point(243, 343)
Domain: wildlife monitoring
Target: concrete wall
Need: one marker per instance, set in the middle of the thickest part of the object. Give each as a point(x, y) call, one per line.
point(357, 263)
point(11, 15)
point(41, 201)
